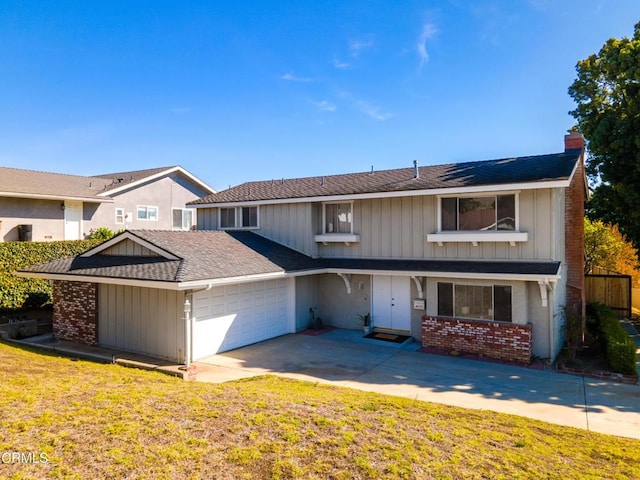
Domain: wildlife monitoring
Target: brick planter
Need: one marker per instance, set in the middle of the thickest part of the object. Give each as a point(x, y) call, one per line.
point(75, 313)
point(497, 340)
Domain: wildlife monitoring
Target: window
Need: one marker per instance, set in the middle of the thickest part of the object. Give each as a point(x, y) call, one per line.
point(119, 216)
point(239, 217)
point(338, 218)
point(492, 213)
point(491, 302)
point(182, 219)
point(147, 213)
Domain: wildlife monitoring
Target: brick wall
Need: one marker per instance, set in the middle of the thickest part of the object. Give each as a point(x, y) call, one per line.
point(498, 340)
point(574, 231)
point(75, 313)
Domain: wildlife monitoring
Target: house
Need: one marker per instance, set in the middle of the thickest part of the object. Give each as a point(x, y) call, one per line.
point(43, 206)
point(481, 257)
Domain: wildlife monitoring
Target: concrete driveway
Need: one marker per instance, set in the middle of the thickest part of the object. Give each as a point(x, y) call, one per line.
point(345, 358)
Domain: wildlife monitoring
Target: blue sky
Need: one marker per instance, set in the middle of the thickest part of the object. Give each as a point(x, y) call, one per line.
point(238, 91)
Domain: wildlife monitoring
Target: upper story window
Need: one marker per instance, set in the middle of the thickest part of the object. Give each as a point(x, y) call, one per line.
point(337, 224)
point(119, 216)
point(479, 213)
point(480, 302)
point(238, 217)
point(338, 218)
point(479, 218)
point(182, 218)
point(147, 213)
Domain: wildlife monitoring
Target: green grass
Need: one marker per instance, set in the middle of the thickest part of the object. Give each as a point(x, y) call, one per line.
point(107, 421)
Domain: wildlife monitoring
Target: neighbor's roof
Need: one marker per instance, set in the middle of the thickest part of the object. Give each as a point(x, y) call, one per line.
point(517, 170)
point(207, 256)
point(16, 182)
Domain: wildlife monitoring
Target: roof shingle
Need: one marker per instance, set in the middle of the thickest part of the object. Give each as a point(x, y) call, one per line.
point(488, 172)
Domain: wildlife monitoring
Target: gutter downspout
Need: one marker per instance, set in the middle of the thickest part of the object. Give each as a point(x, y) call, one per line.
point(188, 331)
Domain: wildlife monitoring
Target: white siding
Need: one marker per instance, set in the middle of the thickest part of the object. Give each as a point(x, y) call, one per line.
point(144, 320)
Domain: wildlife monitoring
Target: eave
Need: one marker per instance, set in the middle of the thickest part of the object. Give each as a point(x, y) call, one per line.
point(37, 196)
point(561, 183)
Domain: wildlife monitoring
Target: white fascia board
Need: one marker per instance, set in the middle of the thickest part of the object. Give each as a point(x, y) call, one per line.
point(404, 193)
point(163, 173)
point(134, 238)
point(231, 280)
point(465, 275)
point(129, 282)
point(37, 196)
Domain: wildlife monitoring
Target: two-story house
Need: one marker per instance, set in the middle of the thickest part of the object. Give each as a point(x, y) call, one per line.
point(46, 206)
point(481, 257)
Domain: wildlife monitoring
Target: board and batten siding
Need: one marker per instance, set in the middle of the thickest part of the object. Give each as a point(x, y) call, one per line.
point(129, 248)
point(398, 227)
point(143, 320)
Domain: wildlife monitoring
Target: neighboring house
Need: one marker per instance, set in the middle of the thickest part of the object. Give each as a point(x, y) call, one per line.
point(480, 257)
point(43, 206)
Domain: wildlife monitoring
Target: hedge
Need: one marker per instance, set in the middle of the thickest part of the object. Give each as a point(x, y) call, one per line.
point(17, 292)
point(619, 346)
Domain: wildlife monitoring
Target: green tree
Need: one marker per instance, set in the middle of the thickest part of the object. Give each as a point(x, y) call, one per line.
point(607, 94)
point(606, 247)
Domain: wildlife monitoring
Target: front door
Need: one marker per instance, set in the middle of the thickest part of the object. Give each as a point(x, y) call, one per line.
point(391, 302)
point(72, 220)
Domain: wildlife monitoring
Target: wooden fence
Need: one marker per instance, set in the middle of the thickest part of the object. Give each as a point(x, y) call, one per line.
point(612, 290)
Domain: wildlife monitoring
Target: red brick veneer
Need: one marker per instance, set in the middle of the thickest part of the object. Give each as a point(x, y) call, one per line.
point(574, 231)
point(498, 340)
point(75, 313)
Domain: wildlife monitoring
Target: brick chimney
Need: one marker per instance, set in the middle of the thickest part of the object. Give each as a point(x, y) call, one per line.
point(575, 196)
point(573, 141)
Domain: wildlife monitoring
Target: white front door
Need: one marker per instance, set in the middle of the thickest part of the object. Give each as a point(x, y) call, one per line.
point(391, 302)
point(72, 220)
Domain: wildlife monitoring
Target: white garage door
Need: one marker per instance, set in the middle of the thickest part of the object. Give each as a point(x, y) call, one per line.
point(233, 316)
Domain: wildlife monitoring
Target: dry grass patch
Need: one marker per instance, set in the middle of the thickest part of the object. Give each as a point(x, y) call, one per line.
point(106, 421)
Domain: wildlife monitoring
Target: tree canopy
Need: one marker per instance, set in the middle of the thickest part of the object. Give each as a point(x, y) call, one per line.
point(607, 94)
point(607, 248)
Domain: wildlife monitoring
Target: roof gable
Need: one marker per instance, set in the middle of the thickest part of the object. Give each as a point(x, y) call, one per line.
point(16, 182)
point(503, 172)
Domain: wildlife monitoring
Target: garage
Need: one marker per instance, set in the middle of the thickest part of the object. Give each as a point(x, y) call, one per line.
point(232, 316)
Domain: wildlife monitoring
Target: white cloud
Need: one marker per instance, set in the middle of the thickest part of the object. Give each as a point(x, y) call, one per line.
point(339, 64)
point(357, 46)
point(290, 77)
point(428, 31)
point(325, 106)
point(372, 111)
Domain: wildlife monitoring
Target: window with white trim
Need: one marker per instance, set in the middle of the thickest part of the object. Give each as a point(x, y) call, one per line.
point(182, 218)
point(238, 217)
point(338, 217)
point(478, 213)
point(480, 302)
point(145, 212)
point(119, 216)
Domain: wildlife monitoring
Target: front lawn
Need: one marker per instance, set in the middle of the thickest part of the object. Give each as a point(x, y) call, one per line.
point(105, 421)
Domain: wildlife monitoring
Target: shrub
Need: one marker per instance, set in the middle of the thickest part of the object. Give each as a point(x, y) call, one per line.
point(16, 292)
point(102, 233)
point(619, 346)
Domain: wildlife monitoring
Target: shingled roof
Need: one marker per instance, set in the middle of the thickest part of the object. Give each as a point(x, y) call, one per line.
point(517, 170)
point(213, 255)
point(16, 182)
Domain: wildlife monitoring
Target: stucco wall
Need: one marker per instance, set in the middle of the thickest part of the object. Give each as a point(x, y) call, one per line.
point(45, 216)
point(337, 307)
point(306, 292)
point(172, 191)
